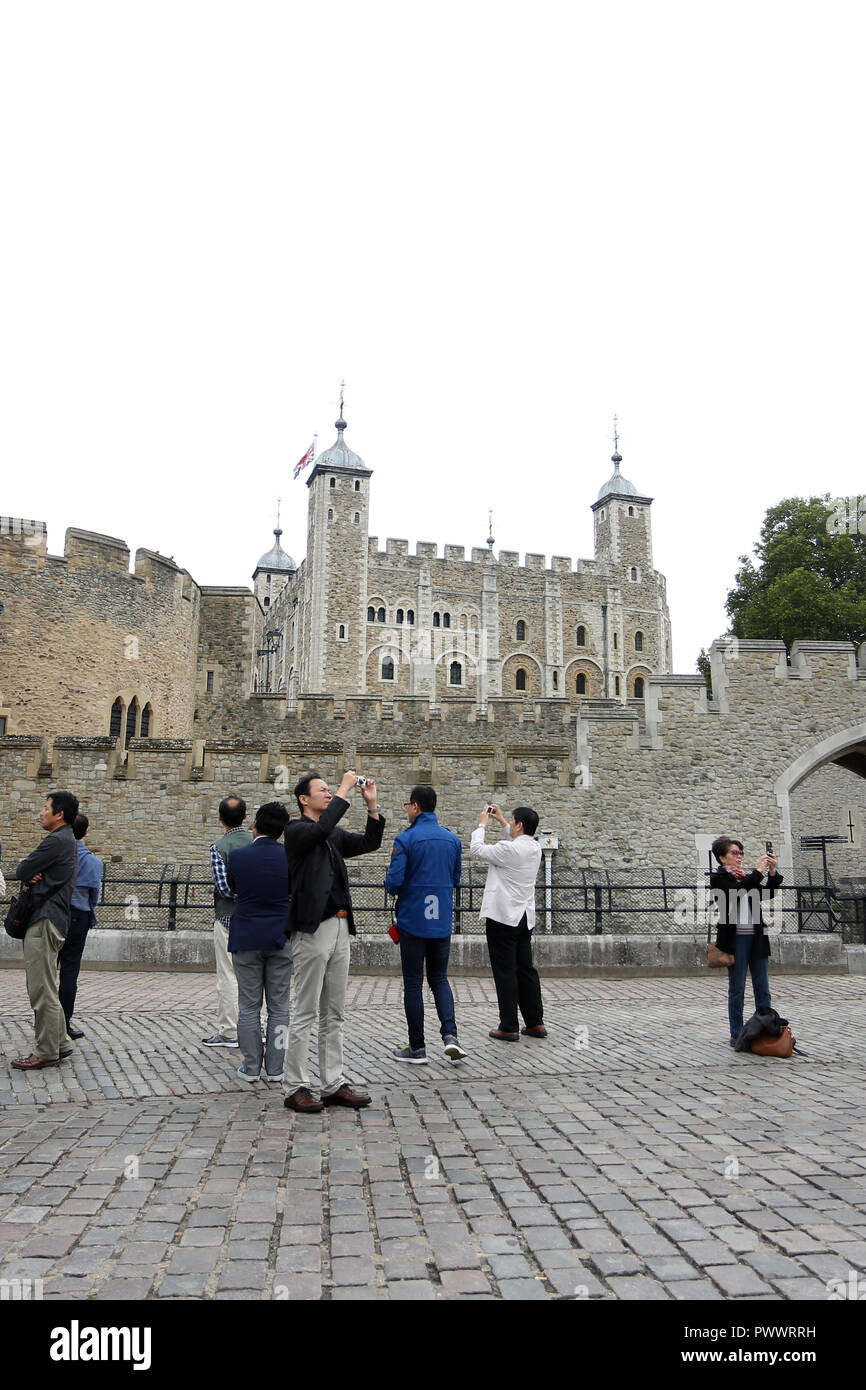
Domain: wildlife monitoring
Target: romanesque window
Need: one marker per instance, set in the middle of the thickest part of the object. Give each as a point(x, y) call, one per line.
point(521, 631)
point(455, 675)
point(435, 619)
point(446, 619)
point(615, 640)
point(146, 716)
point(601, 516)
point(131, 720)
point(556, 680)
point(357, 485)
point(387, 669)
point(209, 683)
point(410, 617)
point(581, 683)
point(520, 679)
point(634, 574)
point(631, 511)
point(616, 685)
point(380, 615)
point(267, 603)
point(638, 641)
point(330, 513)
point(357, 517)
point(371, 615)
point(333, 482)
point(341, 632)
point(638, 687)
point(581, 636)
point(399, 615)
point(116, 721)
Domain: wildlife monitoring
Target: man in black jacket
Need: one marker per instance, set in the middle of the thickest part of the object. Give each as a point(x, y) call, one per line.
point(50, 870)
point(320, 921)
point(742, 931)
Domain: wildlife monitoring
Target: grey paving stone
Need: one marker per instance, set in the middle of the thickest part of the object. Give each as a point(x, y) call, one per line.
point(411, 1290)
point(523, 1290)
point(297, 1287)
point(638, 1288)
point(694, 1289)
point(616, 1264)
point(737, 1280)
point(353, 1270)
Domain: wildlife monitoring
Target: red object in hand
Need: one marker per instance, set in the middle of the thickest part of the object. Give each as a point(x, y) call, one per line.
point(393, 932)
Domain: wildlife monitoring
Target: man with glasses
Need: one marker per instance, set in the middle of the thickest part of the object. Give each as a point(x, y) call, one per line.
point(741, 931)
point(424, 871)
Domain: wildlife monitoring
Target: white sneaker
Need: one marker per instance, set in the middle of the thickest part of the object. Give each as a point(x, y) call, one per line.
point(274, 1078)
point(245, 1075)
point(453, 1049)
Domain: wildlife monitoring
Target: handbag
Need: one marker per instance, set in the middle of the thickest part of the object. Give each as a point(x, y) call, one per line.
point(19, 913)
point(767, 1046)
point(716, 958)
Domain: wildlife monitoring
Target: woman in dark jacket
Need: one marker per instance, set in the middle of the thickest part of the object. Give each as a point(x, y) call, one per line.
point(741, 931)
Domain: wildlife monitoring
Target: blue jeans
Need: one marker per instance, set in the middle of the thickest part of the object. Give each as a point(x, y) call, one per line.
point(415, 952)
point(746, 959)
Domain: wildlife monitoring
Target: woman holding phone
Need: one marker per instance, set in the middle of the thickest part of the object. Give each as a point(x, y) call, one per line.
point(741, 931)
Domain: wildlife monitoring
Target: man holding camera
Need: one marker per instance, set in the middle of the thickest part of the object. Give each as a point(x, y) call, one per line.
point(320, 922)
point(509, 907)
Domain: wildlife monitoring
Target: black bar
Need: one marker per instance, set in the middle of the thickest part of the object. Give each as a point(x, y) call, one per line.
point(599, 925)
point(172, 905)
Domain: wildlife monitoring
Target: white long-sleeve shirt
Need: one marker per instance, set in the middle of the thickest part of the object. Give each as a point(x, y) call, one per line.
point(512, 871)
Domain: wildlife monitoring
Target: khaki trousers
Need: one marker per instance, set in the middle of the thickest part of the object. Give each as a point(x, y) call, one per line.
point(227, 985)
point(320, 961)
point(41, 947)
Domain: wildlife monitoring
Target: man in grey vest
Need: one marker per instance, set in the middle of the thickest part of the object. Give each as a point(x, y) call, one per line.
point(232, 813)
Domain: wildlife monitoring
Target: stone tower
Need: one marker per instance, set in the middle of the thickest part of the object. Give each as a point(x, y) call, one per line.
point(272, 572)
point(335, 589)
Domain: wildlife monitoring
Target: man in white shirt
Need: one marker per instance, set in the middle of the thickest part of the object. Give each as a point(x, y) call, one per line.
point(509, 907)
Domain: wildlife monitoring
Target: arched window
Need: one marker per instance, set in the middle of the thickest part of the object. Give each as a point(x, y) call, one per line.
point(638, 687)
point(357, 517)
point(267, 603)
point(446, 619)
point(387, 669)
point(146, 716)
point(520, 679)
point(371, 615)
point(631, 511)
point(116, 721)
point(615, 641)
point(581, 636)
point(330, 513)
point(616, 684)
point(556, 680)
point(638, 641)
point(380, 616)
point(455, 675)
point(581, 683)
point(208, 682)
point(435, 619)
point(342, 631)
point(410, 617)
point(521, 631)
point(399, 615)
point(333, 482)
point(131, 721)
point(634, 574)
point(357, 485)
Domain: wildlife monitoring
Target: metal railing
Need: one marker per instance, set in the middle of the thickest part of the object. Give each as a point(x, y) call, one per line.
point(593, 902)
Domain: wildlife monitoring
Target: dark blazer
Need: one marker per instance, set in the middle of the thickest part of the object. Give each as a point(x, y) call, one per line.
point(258, 874)
point(726, 884)
point(56, 859)
point(315, 850)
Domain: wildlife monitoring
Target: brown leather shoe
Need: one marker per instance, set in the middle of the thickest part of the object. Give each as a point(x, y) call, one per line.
point(302, 1100)
point(503, 1037)
point(538, 1030)
point(346, 1096)
point(34, 1063)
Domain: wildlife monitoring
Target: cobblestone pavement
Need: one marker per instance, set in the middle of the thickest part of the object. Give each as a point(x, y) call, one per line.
point(632, 1155)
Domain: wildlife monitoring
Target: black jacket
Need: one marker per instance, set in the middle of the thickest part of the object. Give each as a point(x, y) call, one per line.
point(727, 887)
point(762, 1021)
point(315, 850)
point(56, 859)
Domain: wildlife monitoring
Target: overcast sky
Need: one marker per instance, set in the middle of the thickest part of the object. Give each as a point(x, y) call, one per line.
point(500, 223)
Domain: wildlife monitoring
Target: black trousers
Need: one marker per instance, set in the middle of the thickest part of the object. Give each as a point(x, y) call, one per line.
point(514, 975)
point(69, 960)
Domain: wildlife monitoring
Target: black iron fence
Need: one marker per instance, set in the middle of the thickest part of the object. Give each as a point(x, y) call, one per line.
point(641, 901)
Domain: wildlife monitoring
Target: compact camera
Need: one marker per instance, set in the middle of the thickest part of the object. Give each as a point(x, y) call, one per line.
point(491, 810)
point(362, 781)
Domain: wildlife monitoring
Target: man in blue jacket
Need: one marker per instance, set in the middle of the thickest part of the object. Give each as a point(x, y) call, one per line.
point(82, 916)
point(258, 875)
point(424, 871)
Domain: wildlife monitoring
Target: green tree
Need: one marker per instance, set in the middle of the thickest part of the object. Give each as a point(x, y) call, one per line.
point(810, 578)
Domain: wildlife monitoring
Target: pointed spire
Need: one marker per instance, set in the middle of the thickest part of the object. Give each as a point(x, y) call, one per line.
point(277, 530)
point(341, 423)
point(490, 541)
point(616, 456)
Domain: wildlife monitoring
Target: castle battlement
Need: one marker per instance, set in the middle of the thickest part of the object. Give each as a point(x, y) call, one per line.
point(397, 548)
